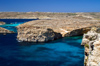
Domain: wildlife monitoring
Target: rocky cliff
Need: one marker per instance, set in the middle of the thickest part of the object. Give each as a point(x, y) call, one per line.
point(91, 42)
point(47, 30)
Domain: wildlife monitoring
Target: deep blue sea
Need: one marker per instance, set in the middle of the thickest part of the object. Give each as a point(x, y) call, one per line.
point(62, 52)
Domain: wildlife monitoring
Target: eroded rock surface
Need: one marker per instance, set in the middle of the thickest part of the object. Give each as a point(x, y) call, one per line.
point(46, 30)
point(91, 42)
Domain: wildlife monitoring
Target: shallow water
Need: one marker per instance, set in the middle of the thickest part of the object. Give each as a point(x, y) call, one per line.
point(12, 23)
point(62, 52)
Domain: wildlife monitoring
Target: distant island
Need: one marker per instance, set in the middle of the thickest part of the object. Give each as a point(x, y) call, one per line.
point(46, 15)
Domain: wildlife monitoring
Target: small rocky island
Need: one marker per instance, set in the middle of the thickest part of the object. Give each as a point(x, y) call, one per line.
point(3, 30)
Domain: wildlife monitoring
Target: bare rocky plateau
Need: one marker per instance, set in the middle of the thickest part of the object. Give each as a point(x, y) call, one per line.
point(51, 29)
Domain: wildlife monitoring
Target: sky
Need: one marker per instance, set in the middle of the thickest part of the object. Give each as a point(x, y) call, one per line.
point(50, 5)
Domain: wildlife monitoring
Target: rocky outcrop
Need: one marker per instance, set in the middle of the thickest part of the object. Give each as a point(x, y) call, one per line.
point(47, 30)
point(91, 42)
point(78, 32)
point(39, 35)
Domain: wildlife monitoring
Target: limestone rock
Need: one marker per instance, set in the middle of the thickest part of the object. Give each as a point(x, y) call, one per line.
point(85, 41)
point(37, 31)
point(78, 32)
point(39, 35)
point(93, 51)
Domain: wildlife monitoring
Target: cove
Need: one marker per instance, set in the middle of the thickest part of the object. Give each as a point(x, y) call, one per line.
point(62, 52)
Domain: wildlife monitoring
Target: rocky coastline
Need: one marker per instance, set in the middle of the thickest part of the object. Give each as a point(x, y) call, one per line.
point(48, 30)
point(91, 42)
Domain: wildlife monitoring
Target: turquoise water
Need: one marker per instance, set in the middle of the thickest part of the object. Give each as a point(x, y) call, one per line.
point(62, 52)
point(12, 23)
point(11, 27)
